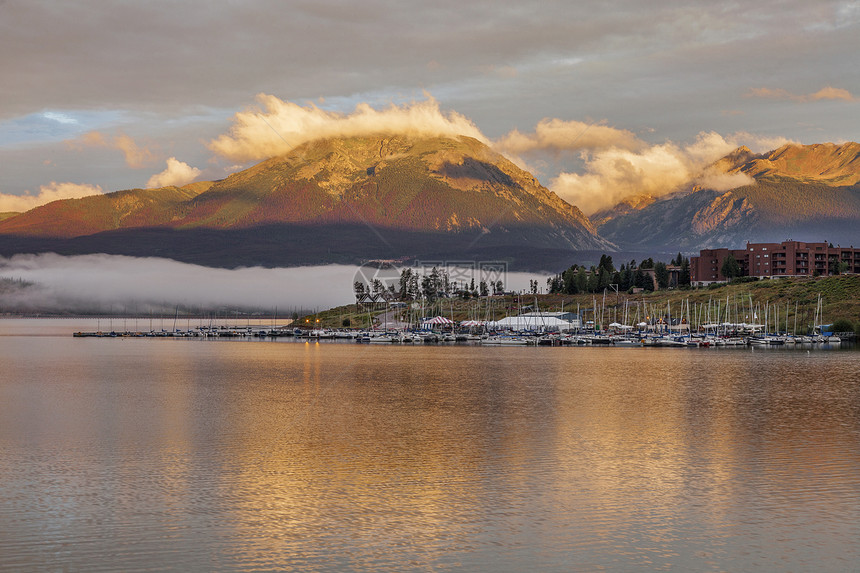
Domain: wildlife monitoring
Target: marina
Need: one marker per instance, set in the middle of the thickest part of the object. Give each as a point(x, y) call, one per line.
point(646, 325)
point(765, 314)
point(735, 338)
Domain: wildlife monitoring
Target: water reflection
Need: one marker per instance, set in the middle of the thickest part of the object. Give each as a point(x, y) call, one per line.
point(138, 454)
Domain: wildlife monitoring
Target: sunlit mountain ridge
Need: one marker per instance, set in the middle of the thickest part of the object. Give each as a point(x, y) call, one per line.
point(333, 200)
point(803, 192)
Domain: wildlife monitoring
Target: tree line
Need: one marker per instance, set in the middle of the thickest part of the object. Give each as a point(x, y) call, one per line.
point(647, 275)
point(437, 284)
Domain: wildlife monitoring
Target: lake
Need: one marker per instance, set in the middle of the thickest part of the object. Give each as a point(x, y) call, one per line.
point(229, 455)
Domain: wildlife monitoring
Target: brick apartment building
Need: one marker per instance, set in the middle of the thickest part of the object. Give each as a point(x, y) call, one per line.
point(785, 259)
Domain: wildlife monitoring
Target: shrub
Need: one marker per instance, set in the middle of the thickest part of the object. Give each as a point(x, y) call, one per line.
point(842, 325)
point(739, 280)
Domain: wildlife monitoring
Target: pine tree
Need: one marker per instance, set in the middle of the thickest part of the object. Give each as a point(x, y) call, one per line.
point(642, 280)
point(684, 275)
point(607, 264)
point(661, 273)
point(592, 283)
point(627, 279)
point(569, 282)
point(581, 281)
point(730, 268)
point(603, 277)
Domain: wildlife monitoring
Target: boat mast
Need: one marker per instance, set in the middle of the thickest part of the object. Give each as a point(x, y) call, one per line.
point(795, 318)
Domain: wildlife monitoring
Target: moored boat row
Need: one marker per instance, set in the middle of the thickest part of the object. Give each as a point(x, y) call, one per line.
point(506, 338)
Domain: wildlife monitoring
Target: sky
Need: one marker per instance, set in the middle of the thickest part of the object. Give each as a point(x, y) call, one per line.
point(600, 100)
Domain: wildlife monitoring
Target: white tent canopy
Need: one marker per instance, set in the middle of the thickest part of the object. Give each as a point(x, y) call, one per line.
point(531, 323)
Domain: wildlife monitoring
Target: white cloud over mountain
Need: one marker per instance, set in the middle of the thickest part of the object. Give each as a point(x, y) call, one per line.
point(47, 193)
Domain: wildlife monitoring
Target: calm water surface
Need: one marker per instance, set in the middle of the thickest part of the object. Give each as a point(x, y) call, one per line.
point(158, 454)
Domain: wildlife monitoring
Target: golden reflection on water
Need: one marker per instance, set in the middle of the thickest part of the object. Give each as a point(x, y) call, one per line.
point(419, 441)
point(332, 456)
point(367, 439)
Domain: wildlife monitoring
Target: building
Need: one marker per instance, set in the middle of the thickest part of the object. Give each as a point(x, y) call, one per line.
point(673, 273)
point(367, 300)
point(707, 267)
point(768, 260)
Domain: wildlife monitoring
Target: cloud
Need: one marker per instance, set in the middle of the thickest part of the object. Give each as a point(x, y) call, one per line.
point(136, 156)
point(556, 135)
point(177, 173)
point(102, 281)
point(762, 143)
point(615, 174)
point(60, 117)
point(718, 181)
point(281, 126)
point(52, 192)
point(618, 165)
point(90, 139)
point(832, 93)
point(116, 282)
point(825, 93)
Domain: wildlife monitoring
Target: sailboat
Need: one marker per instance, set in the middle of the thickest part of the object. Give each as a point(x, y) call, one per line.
point(819, 312)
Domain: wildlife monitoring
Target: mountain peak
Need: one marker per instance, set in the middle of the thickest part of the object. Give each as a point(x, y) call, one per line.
point(430, 182)
point(734, 160)
point(426, 186)
point(828, 163)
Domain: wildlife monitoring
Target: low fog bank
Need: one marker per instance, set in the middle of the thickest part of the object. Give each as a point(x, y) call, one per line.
point(128, 285)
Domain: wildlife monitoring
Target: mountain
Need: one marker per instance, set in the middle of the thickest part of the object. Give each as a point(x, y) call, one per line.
point(803, 192)
point(335, 200)
point(828, 163)
point(97, 213)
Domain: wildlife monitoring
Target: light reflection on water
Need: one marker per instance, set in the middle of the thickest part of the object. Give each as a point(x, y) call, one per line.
point(145, 454)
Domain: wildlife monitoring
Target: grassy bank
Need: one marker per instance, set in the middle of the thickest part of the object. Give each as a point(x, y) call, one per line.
point(840, 299)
